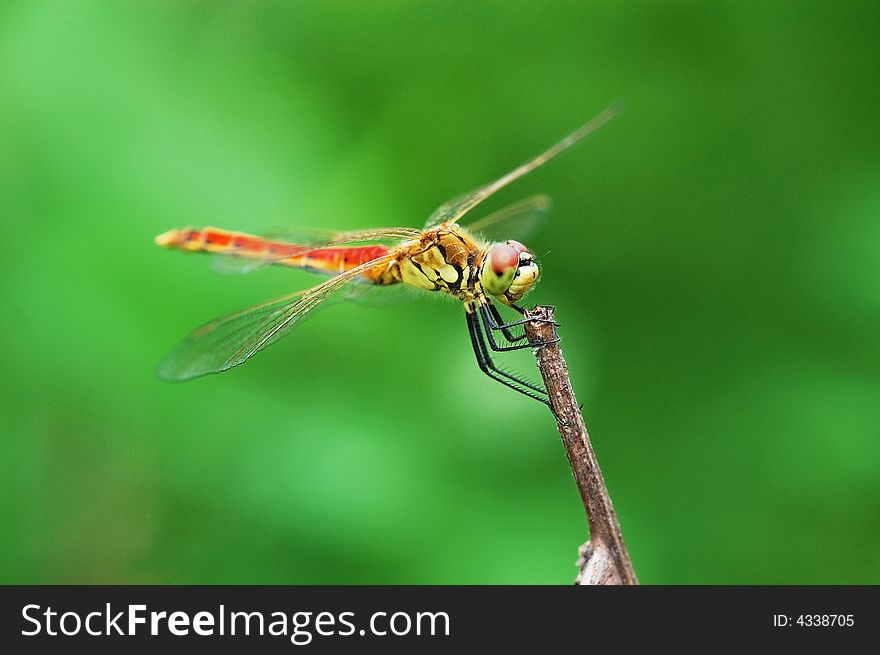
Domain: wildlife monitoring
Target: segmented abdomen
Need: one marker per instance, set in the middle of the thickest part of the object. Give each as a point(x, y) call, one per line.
point(238, 244)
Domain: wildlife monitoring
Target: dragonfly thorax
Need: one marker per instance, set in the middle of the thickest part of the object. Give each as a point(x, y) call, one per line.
point(508, 271)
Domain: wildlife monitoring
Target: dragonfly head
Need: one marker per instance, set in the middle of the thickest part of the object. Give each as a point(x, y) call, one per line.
point(508, 271)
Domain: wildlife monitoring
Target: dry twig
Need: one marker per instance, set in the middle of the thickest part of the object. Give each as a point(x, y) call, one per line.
point(604, 559)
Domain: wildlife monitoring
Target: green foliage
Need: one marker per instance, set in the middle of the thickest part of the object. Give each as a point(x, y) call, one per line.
point(713, 254)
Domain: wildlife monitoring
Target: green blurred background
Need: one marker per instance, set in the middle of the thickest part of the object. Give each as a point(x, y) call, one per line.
point(713, 254)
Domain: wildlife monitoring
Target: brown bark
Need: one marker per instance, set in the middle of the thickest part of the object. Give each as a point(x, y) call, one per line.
point(604, 559)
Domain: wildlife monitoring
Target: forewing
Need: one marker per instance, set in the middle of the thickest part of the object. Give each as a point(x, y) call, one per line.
point(518, 221)
point(232, 340)
point(325, 239)
point(455, 209)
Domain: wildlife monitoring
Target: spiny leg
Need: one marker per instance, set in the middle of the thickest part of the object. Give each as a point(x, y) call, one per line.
point(483, 357)
point(493, 322)
point(489, 322)
point(500, 325)
point(497, 321)
point(488, 366)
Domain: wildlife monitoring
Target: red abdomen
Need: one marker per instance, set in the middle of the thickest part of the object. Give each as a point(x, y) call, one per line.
point(237, 244)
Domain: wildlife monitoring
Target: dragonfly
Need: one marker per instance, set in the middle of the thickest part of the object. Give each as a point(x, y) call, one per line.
point(442, 257)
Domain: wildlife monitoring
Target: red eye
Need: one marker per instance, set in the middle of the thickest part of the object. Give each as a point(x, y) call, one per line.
point(503, 257)
point(516, 245)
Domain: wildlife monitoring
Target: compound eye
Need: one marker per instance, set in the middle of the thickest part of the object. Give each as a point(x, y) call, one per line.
point(516, 245)
point(502, 258)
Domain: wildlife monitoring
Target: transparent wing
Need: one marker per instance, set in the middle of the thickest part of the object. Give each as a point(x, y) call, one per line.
point(232, 340)
point(233, 265)
point(325, 239)
point(458, 207)
point(308, 239)
point(518, 221)
point(382, 296)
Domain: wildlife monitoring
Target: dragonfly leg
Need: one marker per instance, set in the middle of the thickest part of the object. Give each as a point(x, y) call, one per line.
point(522, 310)
point(496, 317)
point(501, 324)
point(488, 366)
point(489, 322)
